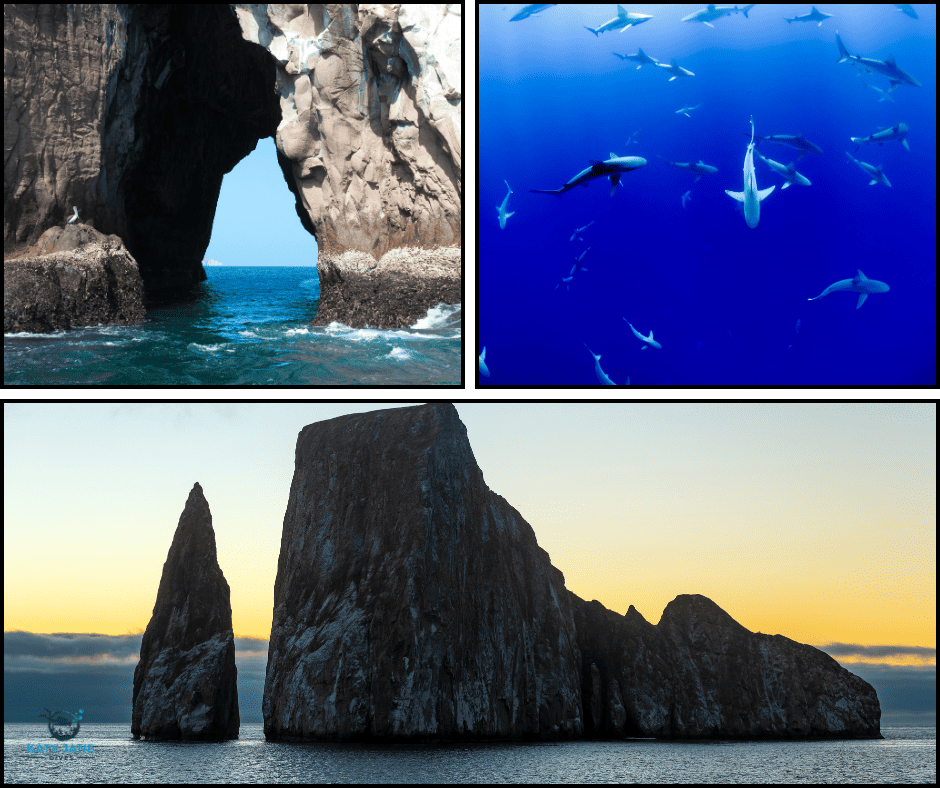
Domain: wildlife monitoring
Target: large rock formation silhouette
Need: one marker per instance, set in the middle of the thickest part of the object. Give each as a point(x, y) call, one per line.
point(184, 684)
point(134, 113)
point(413, 602)
point(700, 674)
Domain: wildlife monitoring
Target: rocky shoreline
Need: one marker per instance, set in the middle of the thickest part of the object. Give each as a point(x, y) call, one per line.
point(72, 277)
point(393, 292)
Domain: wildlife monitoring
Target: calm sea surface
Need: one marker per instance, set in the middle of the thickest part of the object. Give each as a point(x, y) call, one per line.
point(906, 754)
point(243, 326)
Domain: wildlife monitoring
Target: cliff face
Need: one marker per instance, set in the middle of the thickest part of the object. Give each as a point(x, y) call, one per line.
point(135, 112)
point(184, 684)
point(411, 601)
point(700, 674)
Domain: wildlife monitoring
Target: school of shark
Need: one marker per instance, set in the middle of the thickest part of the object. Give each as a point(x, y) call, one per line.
point(746, 194)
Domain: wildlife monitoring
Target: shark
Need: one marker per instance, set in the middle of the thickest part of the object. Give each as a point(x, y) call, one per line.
point(700, 168)
point(711, 12)
point(875, 173)
point(884, 95)
point(528, 10)
point(788, 171)
point(501, 210)
point(601, 375)
point(887, 68)
point(812, 16)
point(578, 265)
point(686, 110)
point(799, 142)
point(896, 132)
point(685, 197)
point(632, 137)
point(577, 233)
point(622, 21)
point(566, 281)
point(751, 196)
point(483, 368)
point(675, 69)
point(907, 9)
point(640, 58)
point(613, 167)
point(858, 284)
point(650, 342)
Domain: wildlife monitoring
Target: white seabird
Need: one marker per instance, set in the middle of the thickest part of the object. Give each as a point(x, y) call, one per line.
point(75, 217)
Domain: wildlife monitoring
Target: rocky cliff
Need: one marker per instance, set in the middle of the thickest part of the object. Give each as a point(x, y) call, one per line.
point(184, 684)
point(700, 674)
point(135, 112)
point(411, 601)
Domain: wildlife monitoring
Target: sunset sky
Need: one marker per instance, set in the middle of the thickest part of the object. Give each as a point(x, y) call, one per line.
point(817, 522)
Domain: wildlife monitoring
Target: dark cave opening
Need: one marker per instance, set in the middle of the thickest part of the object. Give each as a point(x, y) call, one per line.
point(208, 97)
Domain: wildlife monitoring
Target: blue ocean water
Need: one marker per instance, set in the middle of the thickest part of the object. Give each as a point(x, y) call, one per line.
point(907, 754)
point(728, 303)
point(244, 325)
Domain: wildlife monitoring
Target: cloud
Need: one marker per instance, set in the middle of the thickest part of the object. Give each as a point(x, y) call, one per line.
point(837, 650)
point(93, 653)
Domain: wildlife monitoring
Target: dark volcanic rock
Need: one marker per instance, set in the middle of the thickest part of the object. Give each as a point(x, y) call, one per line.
point(700, 674)
point(411, 601)
point(73, 276)
point(184, 684)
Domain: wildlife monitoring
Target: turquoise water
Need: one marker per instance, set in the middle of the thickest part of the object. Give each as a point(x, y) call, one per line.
point(243, 326)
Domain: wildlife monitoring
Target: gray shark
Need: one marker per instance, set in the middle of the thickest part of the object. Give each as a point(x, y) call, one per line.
point(812, 16)
point(528, 10)
point(613, 167)
point(686, 110)
point(632, 137)
point(885, 95)
point(751, 196)
point(896, 132)
point(873, 172)
point(483, 368)
point(621, 22)
point(566, 281)
point(685, 197)
point(799, 142)
point(640, 58)
point(700, 168)
point(577, 233)
point(601, 375)
point(711, 12)
point(501, 210)
point(650, 342)
point(788, 171)
point(859, 284)
point(907, 9)
point(675, 69)
point(578, 264)
point(887, 68)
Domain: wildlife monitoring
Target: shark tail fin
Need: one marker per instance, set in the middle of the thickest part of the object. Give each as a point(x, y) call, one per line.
point(746, 9)
point(843, 52)
point(547, 191)
point(508, 187)
point(592, 30)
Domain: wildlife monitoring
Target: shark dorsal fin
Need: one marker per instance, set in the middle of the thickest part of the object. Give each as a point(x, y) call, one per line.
point(890, 60)
point(641, 53)
point(674, 60)
point(613, 155)
point(861, 275)
point(651, 334)
point(620, 12)
point(711, 6)
point(483, 355)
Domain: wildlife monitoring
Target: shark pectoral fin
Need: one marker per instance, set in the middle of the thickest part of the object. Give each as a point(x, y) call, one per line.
point(861, 300)
point(904, 143)
point(763, 193)
point(709, 24)
point(739, 196)
point(644, 347)
point(614, 181)
point(510, 214)
point(785, 185)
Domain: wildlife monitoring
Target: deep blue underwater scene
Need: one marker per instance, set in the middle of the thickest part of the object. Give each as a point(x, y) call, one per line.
point(666, 243)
